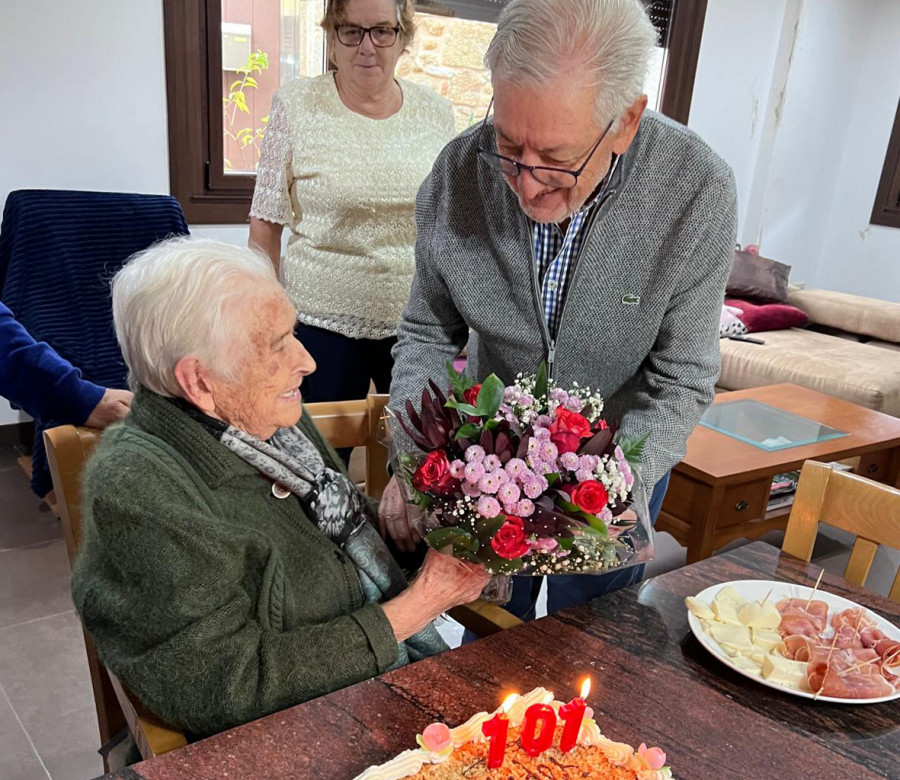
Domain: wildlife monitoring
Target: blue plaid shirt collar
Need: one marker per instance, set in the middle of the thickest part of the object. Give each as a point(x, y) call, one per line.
point(556, 254)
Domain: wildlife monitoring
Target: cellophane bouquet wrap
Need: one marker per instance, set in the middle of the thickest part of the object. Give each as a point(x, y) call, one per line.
point(524, 479)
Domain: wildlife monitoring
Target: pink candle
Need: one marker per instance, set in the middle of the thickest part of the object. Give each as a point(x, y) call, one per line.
point(538, 716)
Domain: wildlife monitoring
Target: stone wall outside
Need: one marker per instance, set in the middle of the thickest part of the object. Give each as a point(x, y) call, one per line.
point(446, 56)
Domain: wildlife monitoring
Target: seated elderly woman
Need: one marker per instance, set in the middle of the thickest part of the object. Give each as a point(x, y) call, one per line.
point(229, 567)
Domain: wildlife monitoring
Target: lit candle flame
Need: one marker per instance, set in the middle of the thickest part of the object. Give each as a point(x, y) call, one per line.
point(585, 687)
point(508, 702)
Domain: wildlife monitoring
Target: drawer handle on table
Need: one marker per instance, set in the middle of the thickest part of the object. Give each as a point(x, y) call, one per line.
point(741, 506)
point(872, 468)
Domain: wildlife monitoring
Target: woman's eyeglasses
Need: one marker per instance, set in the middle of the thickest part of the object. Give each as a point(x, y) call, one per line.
point(352, 35)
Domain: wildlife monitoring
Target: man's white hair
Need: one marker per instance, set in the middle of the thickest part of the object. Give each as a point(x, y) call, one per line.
point(177, 299)
point(609, 41)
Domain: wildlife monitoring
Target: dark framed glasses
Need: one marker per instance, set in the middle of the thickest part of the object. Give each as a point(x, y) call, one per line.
point(560, 178)
point(352, 35)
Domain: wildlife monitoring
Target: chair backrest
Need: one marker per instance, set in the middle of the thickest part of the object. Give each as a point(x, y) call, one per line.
point(68, 449)
point(356, 424)
point(852, 503)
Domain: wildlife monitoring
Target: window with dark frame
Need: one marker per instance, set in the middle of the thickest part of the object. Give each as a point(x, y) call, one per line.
point(205, 172)
point(886, 210)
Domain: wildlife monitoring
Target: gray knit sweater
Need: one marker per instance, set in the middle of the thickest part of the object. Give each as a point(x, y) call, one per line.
point(640, 320)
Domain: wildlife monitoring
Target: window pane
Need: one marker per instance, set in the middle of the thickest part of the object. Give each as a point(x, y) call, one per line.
point(265, 43)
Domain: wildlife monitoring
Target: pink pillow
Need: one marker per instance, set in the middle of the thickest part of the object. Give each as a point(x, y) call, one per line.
point(768, 316)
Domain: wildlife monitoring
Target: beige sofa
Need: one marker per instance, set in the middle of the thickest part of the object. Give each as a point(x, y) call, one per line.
point(850, 349)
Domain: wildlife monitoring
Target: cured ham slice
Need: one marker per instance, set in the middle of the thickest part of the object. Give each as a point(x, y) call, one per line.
point(869, 685)
point(802, 617)
point(854, 617)
point(796, 647)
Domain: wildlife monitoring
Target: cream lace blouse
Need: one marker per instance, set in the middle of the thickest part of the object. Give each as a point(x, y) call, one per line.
point(345, 185)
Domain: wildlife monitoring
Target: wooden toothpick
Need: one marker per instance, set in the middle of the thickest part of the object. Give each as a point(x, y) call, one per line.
point(815, 588)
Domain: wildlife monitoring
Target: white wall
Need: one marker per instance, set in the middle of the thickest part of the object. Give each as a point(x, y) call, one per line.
point(798, 96)
point(85, 98)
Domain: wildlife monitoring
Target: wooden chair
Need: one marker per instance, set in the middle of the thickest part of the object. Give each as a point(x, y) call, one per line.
point(344, 424)
point(852, 503)
point(68, 448)
point(357, 424)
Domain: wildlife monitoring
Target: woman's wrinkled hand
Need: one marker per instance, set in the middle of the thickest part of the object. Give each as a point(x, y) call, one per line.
point(393, 520)
point(442, 582)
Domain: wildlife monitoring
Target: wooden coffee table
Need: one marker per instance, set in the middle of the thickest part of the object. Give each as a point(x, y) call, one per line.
point(720, 491)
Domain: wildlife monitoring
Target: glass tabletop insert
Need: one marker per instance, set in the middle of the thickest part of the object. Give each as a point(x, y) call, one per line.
point(766, 427)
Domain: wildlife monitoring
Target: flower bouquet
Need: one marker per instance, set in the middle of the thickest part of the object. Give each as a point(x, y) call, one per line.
point(524, 479)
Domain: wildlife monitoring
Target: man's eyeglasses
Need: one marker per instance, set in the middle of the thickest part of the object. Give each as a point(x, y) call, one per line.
point(352, 35)
point(560, 178)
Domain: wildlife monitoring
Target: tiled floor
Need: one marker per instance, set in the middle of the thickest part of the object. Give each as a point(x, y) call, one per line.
point(48, 726)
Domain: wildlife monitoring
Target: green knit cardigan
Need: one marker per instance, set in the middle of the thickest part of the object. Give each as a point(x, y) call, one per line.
point(212, 600)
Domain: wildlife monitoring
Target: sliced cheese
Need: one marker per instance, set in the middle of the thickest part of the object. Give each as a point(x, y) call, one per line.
point(735, 636)
point(756, 615)
point(699, 609)
point(747, 664)
point(727, 612)
point(785, 672)
point(765, 639)
point(729, 594)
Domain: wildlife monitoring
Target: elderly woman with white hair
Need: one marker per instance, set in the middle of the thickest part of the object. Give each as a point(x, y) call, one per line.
point(229, 567)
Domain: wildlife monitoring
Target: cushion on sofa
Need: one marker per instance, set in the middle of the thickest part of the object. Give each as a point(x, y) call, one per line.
point(767, 316)
point(853, 313)
point(863, 374)
point(757, 278)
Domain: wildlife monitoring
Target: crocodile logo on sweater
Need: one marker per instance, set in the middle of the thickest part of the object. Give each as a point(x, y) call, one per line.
point(630, 299)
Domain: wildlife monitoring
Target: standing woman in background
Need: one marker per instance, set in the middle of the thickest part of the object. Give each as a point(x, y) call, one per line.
point(341, 163)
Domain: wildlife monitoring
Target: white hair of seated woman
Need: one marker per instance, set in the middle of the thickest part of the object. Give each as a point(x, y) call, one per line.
point(176, 298)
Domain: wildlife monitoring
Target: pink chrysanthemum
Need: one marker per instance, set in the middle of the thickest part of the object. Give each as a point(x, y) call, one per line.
point(488, 484)
point(488, 506)
point(569, 460)
point(515, 467)
point(532, 488)
point(509, 492)
point(470, 489)
point(583, 475)
point(588, 462)
point(491, 463)
point(474, 453)
point(525, 508)
point(549, 452)
point(458, 469)
point(541, 433)
point(474, 471)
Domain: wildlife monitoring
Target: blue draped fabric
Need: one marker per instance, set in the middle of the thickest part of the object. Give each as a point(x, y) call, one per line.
point(59, 250)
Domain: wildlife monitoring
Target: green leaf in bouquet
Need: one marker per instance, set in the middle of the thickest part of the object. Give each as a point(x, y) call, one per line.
point(468, 431)
point(492, 425)
point(568, 506)
point(541, 382)
point(441, 537)
point(596, 524)
point(459, 382)
point(490, 396)
point(551, 478)
point(566, 542)
point(408, 461)
point(487, 527)
point(463, 407)
point(497, 565)
point(633, 447)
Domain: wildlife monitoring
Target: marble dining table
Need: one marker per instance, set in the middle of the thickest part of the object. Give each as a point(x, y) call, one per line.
point(653, 682)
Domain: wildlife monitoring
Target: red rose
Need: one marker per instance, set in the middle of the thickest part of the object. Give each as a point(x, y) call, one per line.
point(471, 395)
point(589, 496)
point(510, 542)
point(434, 476)
point(568, 429)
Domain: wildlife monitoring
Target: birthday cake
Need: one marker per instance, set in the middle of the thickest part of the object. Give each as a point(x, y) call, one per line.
point(464, 752)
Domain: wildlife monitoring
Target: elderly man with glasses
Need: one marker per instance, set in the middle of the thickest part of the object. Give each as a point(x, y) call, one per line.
point(575, 227)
